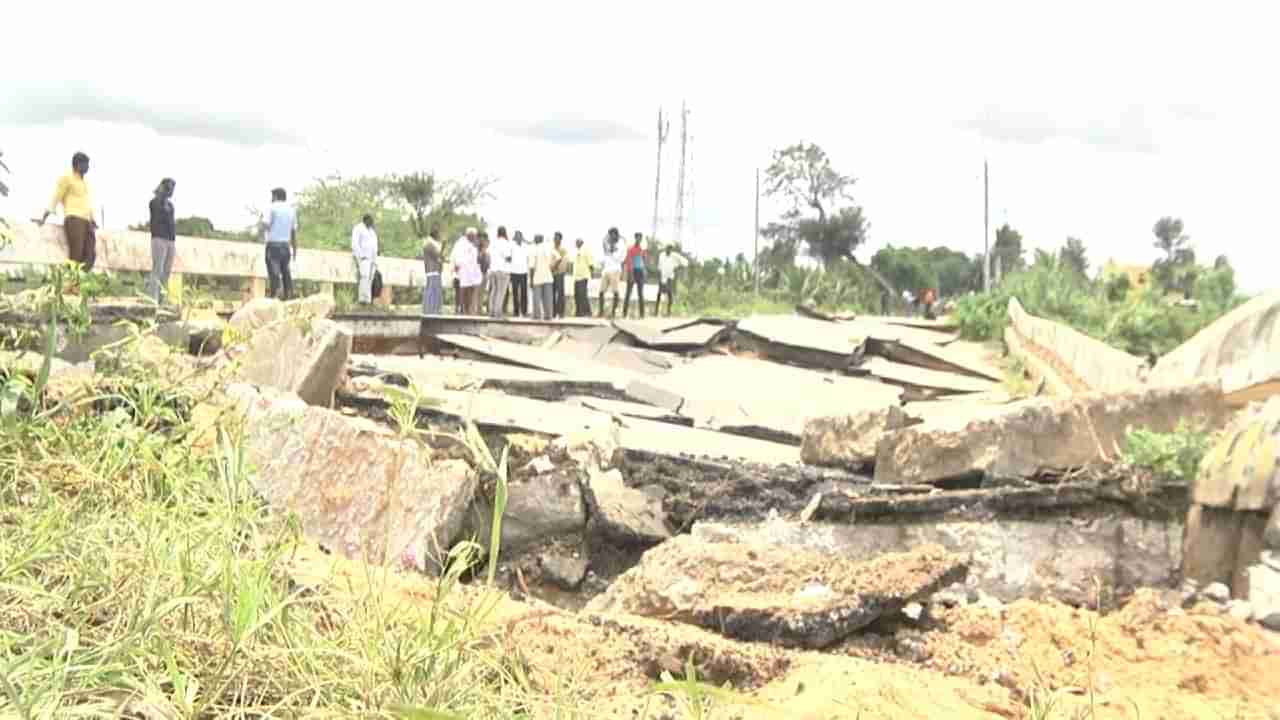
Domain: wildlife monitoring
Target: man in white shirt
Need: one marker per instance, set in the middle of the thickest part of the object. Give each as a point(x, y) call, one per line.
point(519, 267)
point(466, 267)
point(500, 256)
point(364, 250)
point(611, 270)
point(668, 262)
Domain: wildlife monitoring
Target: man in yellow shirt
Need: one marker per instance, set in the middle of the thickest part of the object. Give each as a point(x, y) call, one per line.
point(72, 192)
point(581, 276)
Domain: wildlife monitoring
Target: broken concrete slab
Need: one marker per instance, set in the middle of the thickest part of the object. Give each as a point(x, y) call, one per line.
point(1242, 470)
point(1054, 555)
point(849, 441)
point(685, 338)
point(438, 371)
point(623, 515)
point(538, 358)
point(355, 487)
point(949, 359)
point(260, 312)
point(498, 411)
point(924, 379)
point(1242, 348)
point(303, 355)
point(801, 341)
point(628, 409)
point(539, 507)
point(1028, 437)
point(760, 398)
point(1098, 365)
point(762, 593)
point(1057, 381)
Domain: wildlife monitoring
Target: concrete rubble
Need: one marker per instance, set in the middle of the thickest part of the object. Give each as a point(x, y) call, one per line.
point(291, 346)
point(356, 488)
point(762, 593)
point(1028, 437)
point(1234, 499)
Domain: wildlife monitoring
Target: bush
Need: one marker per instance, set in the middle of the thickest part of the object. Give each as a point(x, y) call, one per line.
point(1146, 324)
point(1172, 457)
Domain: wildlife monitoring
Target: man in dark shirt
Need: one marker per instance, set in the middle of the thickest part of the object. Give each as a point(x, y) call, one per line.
point(163, 238)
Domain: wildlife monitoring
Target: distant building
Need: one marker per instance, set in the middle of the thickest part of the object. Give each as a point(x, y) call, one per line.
point(1139, 275)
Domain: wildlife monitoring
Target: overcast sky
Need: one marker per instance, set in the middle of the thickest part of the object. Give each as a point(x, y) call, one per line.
point(1096, 118)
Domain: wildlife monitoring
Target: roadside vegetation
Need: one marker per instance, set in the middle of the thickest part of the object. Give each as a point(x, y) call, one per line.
point(1143, 321)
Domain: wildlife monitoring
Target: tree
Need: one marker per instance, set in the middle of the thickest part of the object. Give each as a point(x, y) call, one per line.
point(1073, 255)
point(1169, 237)
point(432, 202)
point(803, 175)
point(1008, 249)
point(905, 268)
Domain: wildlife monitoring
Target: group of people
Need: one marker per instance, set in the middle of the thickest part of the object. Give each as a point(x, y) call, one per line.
point(509, 276)
point(505, 276)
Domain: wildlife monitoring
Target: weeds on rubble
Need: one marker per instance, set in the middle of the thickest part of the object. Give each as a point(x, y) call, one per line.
point(1173, 458)
point(145, 578)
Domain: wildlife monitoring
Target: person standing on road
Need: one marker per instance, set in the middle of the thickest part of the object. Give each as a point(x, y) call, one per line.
point(72, 192)
point(364, 252)
point(634, 268)
point(164, 236)
point(540, 260)
point(581, 276)
point(432, 264)
point(519, 267)
point(466, 267)
point(499, 273)
point(482, 290)
point(668, 262)
point(559, 268)
point(610, 271)
point(281, 224)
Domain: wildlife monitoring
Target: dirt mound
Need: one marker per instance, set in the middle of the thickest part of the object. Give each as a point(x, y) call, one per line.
point(1161, 660)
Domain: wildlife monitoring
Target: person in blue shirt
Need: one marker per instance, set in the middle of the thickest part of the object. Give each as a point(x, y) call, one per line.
point(281, 227)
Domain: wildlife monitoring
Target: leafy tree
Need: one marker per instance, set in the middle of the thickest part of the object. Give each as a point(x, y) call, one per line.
point(434, 202)
point(1008, 249)
point(905, 268)
point(803, 175)
point(1169, 237)
point(1072, 255)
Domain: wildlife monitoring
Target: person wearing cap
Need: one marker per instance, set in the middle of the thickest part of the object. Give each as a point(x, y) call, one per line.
point(581, 277)
point(611, 271)
point(668, 262)
point(364, 251)
point(465, 259)
point(540, 262)
point(72, 192)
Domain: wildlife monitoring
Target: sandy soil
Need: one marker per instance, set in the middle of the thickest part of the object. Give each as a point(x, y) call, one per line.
point(1145, 661)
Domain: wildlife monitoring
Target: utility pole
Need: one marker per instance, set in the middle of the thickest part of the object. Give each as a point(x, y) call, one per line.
point(657, 181)
point(755, 258)
point(986, 232)
point(684, 146)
